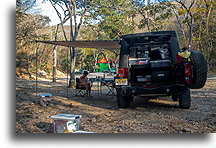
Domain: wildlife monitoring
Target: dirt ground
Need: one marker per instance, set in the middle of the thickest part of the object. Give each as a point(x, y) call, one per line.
point(101, 114)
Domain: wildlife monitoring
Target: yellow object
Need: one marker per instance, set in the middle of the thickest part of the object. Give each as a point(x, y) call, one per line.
point(67, 131)
point(186, 54)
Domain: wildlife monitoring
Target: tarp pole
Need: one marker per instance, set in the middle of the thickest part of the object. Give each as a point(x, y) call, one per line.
point(67, 74)
point(36, 68)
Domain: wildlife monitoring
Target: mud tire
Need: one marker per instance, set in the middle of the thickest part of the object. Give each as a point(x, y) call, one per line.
point(199, 69)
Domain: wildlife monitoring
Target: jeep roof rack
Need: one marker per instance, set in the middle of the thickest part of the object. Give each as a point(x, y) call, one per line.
point(156, 33)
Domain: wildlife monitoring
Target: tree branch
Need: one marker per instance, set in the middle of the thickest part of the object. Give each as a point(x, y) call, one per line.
point(60, 18)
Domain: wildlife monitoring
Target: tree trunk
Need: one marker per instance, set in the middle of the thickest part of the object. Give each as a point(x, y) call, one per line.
point(95, 60)
point(190, 32)
point(189, 16)
point(72, 67)
point(55, 54)
point(210, 47)
point(146, 21)
point(72, 9)
point(54, 63)
point(179, 22)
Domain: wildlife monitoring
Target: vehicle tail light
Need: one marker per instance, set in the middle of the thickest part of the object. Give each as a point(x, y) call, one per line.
point(141, 62)
point(188, 73)
point(123, 72)
point(179, 58)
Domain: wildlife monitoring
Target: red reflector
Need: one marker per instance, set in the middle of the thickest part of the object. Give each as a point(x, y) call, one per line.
point(141, 62)
point(123, 72)
point(179, 58)
point(187, 69)
point(188, 73)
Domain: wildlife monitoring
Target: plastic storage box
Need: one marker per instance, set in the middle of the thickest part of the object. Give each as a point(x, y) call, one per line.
point(65, 123)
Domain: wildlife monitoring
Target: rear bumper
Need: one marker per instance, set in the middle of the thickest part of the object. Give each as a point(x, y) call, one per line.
point(165, 90)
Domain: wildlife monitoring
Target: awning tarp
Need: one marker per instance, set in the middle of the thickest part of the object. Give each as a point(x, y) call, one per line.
point(105, 44)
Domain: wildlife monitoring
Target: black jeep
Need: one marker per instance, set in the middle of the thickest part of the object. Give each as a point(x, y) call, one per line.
point(149, 65)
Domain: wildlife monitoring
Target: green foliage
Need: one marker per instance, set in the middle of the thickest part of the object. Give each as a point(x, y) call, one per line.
point(27, 31)
point(24, 5)
point(109, 20)
point(113, 17)
point(65, 64)
point(204, 15)
point(154, 16)
point(181, 11)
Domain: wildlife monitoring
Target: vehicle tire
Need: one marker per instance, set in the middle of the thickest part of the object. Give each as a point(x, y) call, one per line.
point(185, 99)
point(51, 128)
point(123, 101)
point(199, 69)
point(174, 98)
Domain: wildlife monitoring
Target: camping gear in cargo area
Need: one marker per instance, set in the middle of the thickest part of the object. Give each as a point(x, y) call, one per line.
point(160, 63)
point(150, 62)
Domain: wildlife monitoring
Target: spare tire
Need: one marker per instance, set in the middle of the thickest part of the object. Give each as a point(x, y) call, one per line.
point(199, 69)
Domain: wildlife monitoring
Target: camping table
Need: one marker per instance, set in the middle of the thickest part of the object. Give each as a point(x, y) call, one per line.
point(98, 80)
point(108, 82)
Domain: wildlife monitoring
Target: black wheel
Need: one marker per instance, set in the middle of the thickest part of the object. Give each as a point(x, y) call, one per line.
point(174, 98)
point(51, 128)
point(199, 67)
point(185, 99)
point(123, 101)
